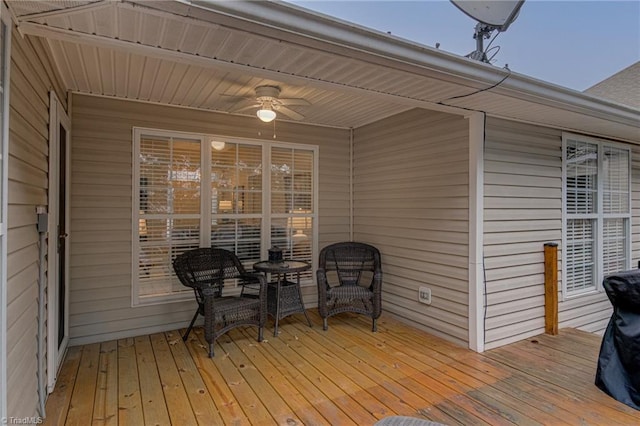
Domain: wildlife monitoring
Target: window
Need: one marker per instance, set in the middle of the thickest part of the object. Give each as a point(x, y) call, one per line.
point(200, 190)
point(597, 212)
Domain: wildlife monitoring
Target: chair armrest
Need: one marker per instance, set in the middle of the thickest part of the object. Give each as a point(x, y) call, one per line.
point(262, 294)
point(376, 281)
point(323, 284)
point(253, 276)
point(250, 279)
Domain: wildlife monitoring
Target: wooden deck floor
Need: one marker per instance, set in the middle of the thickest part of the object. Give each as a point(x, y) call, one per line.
point(345, 376)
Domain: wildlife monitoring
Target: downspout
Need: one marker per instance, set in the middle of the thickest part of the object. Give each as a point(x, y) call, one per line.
point(351, 184)
point(42, 225)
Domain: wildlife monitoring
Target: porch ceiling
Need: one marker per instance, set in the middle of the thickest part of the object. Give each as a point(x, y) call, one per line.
point(208, 55)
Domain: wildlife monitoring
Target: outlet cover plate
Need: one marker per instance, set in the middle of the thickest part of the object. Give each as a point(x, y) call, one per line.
point(424, 295)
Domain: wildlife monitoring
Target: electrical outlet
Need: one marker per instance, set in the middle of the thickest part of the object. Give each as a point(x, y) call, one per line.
point(424, 295)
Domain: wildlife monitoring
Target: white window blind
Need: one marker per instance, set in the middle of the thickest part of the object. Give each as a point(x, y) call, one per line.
point(614, 243)
point(169, 210)
point(236, 200)
point(616, 180)
point(581, 254)
point(615, 208)
point(292, 203)
point(200, 191)
point(596, 194)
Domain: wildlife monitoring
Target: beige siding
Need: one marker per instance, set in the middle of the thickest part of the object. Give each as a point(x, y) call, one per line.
point(101, 206)
point(411, 187)
point(523, 210)
point(31, 79)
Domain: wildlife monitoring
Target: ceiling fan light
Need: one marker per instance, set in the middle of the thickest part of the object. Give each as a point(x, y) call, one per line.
point(266, 114)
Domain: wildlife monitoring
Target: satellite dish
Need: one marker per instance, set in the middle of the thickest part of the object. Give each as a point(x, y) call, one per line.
point(491, 15)
point(499, 14)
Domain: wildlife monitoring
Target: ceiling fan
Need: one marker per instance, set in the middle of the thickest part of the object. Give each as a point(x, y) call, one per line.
point(269, 104)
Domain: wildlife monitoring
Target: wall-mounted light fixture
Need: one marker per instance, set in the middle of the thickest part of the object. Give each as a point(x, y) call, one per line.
point(217, 145)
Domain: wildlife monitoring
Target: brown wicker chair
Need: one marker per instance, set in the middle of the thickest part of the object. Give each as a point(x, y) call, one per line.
point(349, 280)
point(206, 270)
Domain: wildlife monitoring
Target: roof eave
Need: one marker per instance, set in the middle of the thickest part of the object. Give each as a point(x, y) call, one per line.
point(384, 49)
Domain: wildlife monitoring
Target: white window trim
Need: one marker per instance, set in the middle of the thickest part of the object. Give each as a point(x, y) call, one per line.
point(4, 157)
point(599, 216)
point(205, 215)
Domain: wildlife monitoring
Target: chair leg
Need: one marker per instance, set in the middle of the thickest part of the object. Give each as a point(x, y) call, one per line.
point(374, 328)
point(193, 320)
point(325, 325)
point(307, 317)
point(211, 349)
point(260, 334)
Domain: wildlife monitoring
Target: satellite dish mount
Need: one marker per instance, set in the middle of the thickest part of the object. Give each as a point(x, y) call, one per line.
point(491, 15)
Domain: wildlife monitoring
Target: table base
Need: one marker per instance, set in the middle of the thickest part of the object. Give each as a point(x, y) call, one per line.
point(290, 302)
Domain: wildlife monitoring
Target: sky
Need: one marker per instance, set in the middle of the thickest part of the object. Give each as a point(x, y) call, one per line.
point(572, 43)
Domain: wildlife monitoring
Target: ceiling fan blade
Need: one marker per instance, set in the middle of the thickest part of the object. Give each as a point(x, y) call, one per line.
point(293, 101)
point(244, 105)
point(289, 113)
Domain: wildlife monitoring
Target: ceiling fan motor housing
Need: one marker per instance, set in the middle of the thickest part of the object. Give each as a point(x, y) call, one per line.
point(267, 93)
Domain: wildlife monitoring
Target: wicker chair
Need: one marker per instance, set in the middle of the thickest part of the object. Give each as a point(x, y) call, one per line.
point(349, 280)
point(206, 270)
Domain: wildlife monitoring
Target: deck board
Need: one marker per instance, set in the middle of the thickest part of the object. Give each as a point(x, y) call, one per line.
point(346, 375)
point(228, 407)
point(81, 405)
point(58, 402)
point(154, 407)
point(286, 362)
point(129, 402)
point(200, 400)
point(105, 406)
point(178, 405)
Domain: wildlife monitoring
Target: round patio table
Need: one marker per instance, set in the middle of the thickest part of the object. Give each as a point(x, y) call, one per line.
point(283, 297)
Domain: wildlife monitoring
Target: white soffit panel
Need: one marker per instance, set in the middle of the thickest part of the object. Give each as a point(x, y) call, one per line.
point(151, 28)
point(102, 71)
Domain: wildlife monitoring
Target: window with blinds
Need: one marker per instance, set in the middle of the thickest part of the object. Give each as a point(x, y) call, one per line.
point(200, 191)
point(597, 212)
point(168, 210)
point(292, 203)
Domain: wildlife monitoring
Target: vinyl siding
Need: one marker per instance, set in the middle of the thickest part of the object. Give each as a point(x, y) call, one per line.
point(523, 210)
point(411, 188)
point(101, 206)
point(31, 78)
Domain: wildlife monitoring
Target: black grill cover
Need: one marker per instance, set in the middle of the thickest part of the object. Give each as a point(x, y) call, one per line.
point(618, 372)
